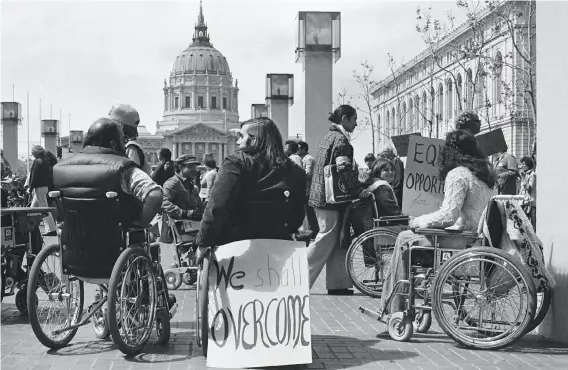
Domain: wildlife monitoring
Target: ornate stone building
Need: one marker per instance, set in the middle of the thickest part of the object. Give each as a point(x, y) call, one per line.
point(425, 94)
point(200, 103)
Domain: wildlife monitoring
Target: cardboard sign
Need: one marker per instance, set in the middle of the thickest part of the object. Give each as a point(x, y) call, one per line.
point(422, 192)
point(401, 142)
point(492, 142)
point(259, 305)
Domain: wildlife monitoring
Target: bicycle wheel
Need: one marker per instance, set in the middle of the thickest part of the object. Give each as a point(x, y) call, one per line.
point(368, 260)
point(496, 298)
point(132, 300)
point(53, 303)
point(202, 303)
point(543, 303)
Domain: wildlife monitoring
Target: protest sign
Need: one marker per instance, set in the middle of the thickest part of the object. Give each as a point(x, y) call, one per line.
point(423, 192)
point(401, 142)
point(492, 142)
point(259, 305)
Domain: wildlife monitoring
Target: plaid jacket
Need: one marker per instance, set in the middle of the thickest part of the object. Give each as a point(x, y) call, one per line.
point(334, 141)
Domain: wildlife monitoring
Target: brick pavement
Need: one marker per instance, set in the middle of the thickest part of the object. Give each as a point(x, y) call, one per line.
point(341, 337)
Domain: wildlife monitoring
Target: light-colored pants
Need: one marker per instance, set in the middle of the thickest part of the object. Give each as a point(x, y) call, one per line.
point(40, 200)
point(325, 250)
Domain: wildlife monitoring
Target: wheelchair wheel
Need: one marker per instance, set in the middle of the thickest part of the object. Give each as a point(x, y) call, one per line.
point(100, 318)
point(172, 279)
point(422, 321)
point(202, 303)
point(132, 300)
point(21, 300)
point(400, 327)
point(543, 303)
point(496, 300)
point(163, 327)
point(53, 303)
point(368, 260)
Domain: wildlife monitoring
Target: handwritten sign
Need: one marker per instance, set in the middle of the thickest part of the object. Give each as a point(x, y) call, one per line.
point(423, 192)
point(492, 142)
point(401, 142)
point(259, 305)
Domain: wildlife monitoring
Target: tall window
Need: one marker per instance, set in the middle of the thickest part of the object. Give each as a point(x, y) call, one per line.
point(449, 100)
point(176, 102)
point(404, 121)
point(440, 100)
point(424, 110)
point(213, 102)
point(394, 124)
point(469, 89)
point(188, 101)
point(387, 128)
point(417, 112)
point(497, 81)
point(459, 91)
point(224, 102)
point(410, 121)
point(200, 101)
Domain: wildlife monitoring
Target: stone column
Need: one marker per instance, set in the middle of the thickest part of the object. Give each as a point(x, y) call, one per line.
point(175, 149)
point(278, 110)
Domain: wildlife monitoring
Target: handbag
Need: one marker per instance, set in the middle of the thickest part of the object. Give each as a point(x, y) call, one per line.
point(335, 191)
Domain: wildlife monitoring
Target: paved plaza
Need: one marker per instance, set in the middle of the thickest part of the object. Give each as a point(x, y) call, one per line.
point(341, 337)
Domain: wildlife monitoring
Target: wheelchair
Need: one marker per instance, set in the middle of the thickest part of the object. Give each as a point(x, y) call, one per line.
point(185, 267)
point(481, 296)
point(95, 248)
point(369, 255)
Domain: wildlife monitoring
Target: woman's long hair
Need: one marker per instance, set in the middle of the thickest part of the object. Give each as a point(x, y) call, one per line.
point(265, 142)
point(461, 149)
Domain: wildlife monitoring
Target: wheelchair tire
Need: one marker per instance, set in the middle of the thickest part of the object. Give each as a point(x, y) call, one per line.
point(21, 301)
point(423, 322)
point(542, 306)
point(484, 257)
point(122, 267)
point(163, 326)
point(370, 280)
point(172, 279)
point(400, 327)
point(202, 303)
point(33, 302)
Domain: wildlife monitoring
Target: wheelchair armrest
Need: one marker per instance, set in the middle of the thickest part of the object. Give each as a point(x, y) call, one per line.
point(393, 220)
point(303, 236)
point(445, 232)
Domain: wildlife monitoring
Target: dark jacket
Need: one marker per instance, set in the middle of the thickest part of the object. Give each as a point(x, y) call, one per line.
point(40, 174)
point(180, 194)
point(334, 144)
point(163, 172)
point(93, 172)
point(252, 201)
point(385, 200)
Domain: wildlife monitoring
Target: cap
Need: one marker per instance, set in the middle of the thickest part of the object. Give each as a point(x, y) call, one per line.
point(465, 117)
point(187, 159)
point(125, 114)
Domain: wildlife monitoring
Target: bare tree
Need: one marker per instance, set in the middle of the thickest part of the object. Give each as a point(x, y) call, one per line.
point(364, 101)
point(343, 97)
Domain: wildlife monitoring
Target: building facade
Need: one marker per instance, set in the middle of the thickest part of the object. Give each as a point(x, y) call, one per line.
point(473, 67)
point(200, 103)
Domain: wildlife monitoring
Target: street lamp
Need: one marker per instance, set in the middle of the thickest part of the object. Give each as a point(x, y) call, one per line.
point(318, 32)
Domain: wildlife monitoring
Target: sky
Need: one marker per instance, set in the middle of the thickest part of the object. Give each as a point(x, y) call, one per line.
point(79, 57)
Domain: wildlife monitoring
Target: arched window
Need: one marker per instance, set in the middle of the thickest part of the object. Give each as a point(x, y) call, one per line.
point(424, 110)
point(469, 89)
point(387, 127)
point(394, 123)
point(404, 120)
point(449, 100)
point(417, 116)
point(440, 108)
point(497, 82)
point(459, 92)
point(410, 126)
point(481, 88)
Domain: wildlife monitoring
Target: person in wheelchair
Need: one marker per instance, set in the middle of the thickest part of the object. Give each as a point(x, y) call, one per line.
point(469, 185)
point(258, 194)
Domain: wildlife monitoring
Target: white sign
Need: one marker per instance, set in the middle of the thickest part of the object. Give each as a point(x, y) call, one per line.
point(423, 192)
point(259, 305)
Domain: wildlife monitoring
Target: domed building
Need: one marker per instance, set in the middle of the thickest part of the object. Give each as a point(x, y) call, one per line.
point(200, 103)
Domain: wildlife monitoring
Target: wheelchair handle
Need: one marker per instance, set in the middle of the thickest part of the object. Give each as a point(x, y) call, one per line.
point(111, 194)
point(54, 194)
point(508, 197)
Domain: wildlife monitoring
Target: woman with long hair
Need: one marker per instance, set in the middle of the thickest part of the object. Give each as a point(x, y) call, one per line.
point(258, 192)
point(41, 178)
point(469, 185)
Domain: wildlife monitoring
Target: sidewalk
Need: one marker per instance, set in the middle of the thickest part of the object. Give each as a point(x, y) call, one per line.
point(342, 337)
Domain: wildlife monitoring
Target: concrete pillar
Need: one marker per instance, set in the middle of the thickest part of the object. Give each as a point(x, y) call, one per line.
point(319, 96)
point(278, 112)
point(551, 159)
point(10, 142)
point(51, 144)
point(175, 150)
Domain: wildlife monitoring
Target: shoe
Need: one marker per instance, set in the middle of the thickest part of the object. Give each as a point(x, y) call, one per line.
point(171, 300)
point(339, 292)
point(51, 233)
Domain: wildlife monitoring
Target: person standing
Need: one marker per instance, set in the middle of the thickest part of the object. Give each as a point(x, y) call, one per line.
point(291, 148)
point(528, 189)
point(335, 148)
point(129, 118)
point(208, 178)
point(165, 169)
point(506, 169)
point(468, 121)
point(308, 162)
point(41, 177)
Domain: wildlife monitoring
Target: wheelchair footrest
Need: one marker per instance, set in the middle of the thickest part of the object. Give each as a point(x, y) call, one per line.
point(377, 315)
point(173, 310)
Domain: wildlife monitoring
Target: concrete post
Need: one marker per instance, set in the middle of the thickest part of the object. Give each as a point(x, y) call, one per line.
point(278, 112)
point(10, 142)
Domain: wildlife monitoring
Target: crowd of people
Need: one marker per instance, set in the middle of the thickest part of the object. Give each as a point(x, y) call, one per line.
point(271, 189)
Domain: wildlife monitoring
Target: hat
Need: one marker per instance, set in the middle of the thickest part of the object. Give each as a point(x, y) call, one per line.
point(187, 159)
point(125, 114)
